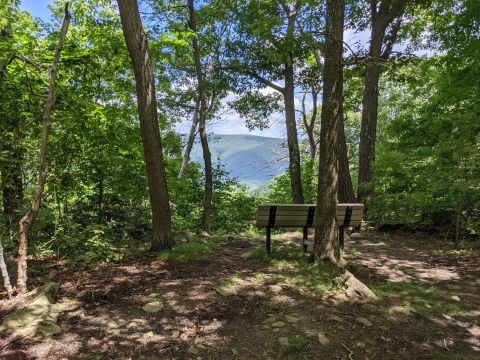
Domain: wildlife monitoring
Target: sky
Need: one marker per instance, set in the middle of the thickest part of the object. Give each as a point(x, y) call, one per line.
point(228, 123)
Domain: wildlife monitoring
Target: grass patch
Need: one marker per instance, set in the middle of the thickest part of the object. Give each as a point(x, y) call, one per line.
point(470, 252)
point(189, 251)
point(295, 269)
point(295, 344)
point(423, 299)
point(445, 355)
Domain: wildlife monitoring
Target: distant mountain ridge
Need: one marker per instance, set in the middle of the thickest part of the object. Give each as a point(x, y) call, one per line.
point(253, 160)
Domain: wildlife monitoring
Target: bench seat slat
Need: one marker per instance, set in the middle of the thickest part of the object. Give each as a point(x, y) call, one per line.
point(296, 215)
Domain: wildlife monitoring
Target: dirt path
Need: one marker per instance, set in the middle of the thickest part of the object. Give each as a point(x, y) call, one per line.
point(235, 303)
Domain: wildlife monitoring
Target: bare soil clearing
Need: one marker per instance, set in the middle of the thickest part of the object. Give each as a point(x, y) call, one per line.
point(236, 303)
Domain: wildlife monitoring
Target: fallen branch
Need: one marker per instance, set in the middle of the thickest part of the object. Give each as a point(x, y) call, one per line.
point(350, 352)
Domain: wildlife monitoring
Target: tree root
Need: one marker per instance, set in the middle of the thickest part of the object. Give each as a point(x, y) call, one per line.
point(354, 288)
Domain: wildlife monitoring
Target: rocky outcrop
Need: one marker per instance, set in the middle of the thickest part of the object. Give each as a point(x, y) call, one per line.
point(39, 317)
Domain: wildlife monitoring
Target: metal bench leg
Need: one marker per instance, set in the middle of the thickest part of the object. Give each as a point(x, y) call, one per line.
point(305, 237)
point(268, 240)
point(341, 237)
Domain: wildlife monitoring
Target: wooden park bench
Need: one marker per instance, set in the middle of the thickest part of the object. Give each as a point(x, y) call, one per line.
point(270, 216)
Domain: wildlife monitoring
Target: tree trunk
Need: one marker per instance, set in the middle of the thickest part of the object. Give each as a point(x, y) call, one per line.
point(326, 243)
point(101, 197)
point(207, 157)
point(382, 14)
point(457, 228)
point(29, 218)
point(137, 45)
point(345, 186)
point(3, 269)
point(292, 137)
point(310, 124)
point(368, 132)
point(190, 141)
point(12, 185)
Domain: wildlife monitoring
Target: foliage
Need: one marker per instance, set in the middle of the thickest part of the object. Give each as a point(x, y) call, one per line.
point(427, 162)
point(189, 251)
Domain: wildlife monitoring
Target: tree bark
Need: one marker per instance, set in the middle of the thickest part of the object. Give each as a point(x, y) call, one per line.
point(345, 186)
point(207, 157)
point(27, 221)
point(190, 141)
point(137, 45)
point(326, 245)
point(309, 124)
point(292, 136)
point(4, 270)
point(382, 14)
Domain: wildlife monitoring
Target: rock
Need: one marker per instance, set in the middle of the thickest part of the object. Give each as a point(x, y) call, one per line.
point(283, 340)
point(226, 290)
point(154, 295)
point(133, 325)
point(77, 313)
point(153, 307)
point(323, 339)
point(38, 316)
point(234, 351)
point(370, 307)
point(204, 234)
point(337, 318)
point(355, 235)
point(364, 322)
point(188, 234)
point(67, 304)
point(192, 350)
point(269, 321)
point(341, 297)
point(183, 240)
point(291, 319)
point(455, 298)
point(275, 288)
point(278, 324)
point(150, 334)
point(48, 328)
point(246, 255)
point(48, 290)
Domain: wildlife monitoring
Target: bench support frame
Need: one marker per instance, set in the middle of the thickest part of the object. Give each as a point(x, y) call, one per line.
point(341, 229)
point(271, 224)
point(309, 224)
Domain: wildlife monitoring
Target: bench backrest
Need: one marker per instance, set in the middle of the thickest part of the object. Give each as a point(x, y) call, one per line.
point(301, 215)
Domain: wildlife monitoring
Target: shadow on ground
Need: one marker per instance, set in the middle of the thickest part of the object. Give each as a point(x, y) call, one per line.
point(234, 302)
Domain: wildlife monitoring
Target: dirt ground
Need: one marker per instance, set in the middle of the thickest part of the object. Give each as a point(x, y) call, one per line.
point(235, 303)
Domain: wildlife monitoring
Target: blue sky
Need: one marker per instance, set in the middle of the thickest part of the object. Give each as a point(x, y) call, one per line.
point(38, 8)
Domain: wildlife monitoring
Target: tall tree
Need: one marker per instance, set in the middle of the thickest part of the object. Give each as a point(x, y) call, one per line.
point(27, 221)
point(190, 140)
point(384, 14)
point(202, 117)
point(345, 185)
point(137, 45)
point(325, 244)
point(265, 49)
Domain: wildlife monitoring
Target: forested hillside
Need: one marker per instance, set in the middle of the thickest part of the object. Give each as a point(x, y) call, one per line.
point(122, 237)
point(252, 160)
